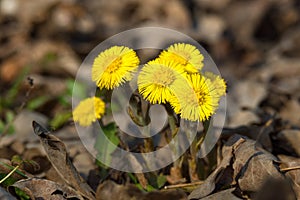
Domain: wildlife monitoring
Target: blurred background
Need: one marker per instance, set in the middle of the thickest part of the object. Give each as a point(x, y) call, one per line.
point(255, 44)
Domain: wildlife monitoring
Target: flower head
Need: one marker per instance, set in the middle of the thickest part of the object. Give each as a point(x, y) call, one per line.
point(185, 54)
point(199, 102)
point(218, 82)
point(88, 110)
point(114, 66)
point(158, 79)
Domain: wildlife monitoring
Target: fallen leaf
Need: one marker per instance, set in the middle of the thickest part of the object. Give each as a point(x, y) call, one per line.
point(35, 155)
point(57, 155)
point(275, 189)
point(209, 184)
point(245, 164)
point(291, 162)
point(224, 195)
point(44, 189)
point(253, 165)
point(111, 190)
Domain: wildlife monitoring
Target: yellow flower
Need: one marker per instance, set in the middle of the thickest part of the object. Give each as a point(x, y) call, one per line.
point(218, 82)
point(114, 66)
point(88, 111)
point(199, 102)
point(185, 54)
point(158, 80)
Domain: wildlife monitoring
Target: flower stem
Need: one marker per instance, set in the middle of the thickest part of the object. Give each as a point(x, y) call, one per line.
point(171, 119)
point(174, 128)
point(193, 151)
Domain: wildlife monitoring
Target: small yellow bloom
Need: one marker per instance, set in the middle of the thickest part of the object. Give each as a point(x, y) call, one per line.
point(199, 102)
point(218, 82)
point(88, 111)
point(114, 66)
point(158, 80)
point(185, 54)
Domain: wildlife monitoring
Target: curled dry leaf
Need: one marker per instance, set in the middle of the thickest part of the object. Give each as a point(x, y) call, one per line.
point(253, 165)
point(49, 190)
point(58, 156)
point(244, 164)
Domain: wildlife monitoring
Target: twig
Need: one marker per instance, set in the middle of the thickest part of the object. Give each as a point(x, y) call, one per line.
point(289, 168)
point(9, 174)
point(182, 185)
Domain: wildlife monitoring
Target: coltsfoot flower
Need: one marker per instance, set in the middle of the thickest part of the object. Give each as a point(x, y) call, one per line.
point(88, 111)
point(159, 79)
point(218, 82)
point(187, 55)
point(199, 102)
point(114, 66)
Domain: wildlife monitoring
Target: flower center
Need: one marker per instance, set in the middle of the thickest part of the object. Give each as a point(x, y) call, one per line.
point(112, 67)
point(201, 97)
point(194, 98)
point(164, 77)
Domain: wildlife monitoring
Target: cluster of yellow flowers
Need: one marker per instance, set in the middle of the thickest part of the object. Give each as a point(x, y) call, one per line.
point(174, 77)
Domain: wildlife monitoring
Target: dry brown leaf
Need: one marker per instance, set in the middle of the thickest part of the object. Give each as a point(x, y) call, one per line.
point(45, 189)
point(224, 195)
point(53, 175)
point(209, 184)
point(58, 156)
point(244, 163)
point(290, 162)
point(275, 189)
point(111, 190)
point(253, 165)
